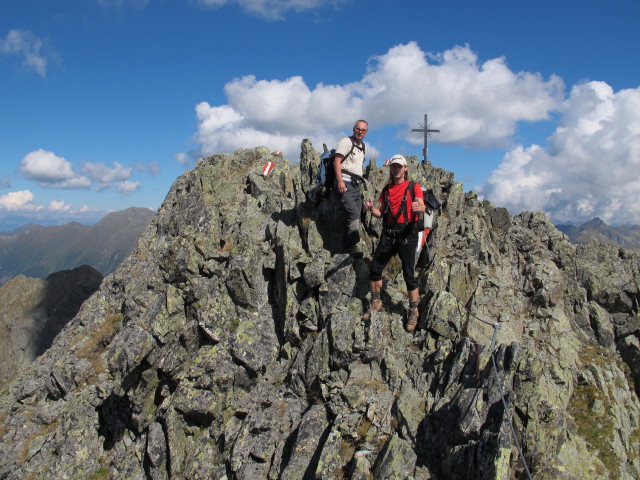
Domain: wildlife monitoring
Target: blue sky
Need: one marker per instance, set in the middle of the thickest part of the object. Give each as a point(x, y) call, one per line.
point(104, 103)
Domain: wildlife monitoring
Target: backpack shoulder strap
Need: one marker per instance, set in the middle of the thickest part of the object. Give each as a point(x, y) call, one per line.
point(385, 198)
point(353, 145)
point(412, 189)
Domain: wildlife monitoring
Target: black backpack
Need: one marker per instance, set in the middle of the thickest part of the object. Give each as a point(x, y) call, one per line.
point(326, 175)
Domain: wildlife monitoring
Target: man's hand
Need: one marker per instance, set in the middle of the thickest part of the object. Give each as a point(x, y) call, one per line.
point(342, 187)
point(418, 206)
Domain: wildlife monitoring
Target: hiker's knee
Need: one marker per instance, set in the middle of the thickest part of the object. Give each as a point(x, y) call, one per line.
point(411, 282)
point(375, 270)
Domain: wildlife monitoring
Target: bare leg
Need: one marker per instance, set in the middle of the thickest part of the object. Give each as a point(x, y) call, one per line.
point(414, 295)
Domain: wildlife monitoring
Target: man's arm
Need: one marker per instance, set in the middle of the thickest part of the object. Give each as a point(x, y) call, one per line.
point(375, 211)
point(337, 167)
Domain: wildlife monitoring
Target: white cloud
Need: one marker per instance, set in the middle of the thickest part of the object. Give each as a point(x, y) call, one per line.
point(17, 201)
point(46, 167)
point(52, 171)
point(222, 129)
point(23, 203)
point(272, 9)
point(59, 206)
point(124, 3)
point(152, 168)
point(479, 105)
point(182, 159)
point(100, 173)
point(268, 9)
point(127, 187)
point(588, 168)
point(116, 177)
point(28, 46)
point(75, 183)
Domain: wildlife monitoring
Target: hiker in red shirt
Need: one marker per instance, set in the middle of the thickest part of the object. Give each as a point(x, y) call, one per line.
point(399, 208)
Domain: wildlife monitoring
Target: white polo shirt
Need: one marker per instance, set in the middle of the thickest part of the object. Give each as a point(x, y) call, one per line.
point(352, 163)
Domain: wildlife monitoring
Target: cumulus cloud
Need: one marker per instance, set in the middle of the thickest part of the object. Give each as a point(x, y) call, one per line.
point(182, 159)
point(152, 168)
point(99, 172)
point(123, 3)
point(127, 187)
point(268, 9)
point(51, 171)
point(59, 206)
point(76, 183)
point(478, 104)
point(272, 9)
point(46, 167)
point(17, 201)
point(589, 167)
point(23, 202)
point(26, 45)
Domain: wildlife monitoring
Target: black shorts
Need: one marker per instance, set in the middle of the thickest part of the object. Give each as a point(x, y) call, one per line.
point(404, 243)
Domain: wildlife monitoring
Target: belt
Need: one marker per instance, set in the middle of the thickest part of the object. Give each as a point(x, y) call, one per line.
point(352, 177)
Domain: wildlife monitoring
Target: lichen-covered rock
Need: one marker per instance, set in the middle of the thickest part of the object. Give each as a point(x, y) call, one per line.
point(230, 345)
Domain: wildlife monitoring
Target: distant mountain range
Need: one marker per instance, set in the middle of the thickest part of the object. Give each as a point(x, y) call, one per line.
point(624, 236)
point(15, 223)
point(37, 251)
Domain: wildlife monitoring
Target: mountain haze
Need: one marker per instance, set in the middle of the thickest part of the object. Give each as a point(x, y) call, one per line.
point(597, 230)
point(39, 251)
point(230, 345)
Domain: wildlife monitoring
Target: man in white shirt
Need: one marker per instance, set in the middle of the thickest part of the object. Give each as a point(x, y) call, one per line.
point(348, 165)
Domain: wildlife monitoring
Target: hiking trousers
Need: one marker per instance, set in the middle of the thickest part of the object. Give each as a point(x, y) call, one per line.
point(351, 202)
point(404, 243)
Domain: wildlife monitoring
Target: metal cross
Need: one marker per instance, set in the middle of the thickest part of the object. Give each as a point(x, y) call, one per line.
point(426, 131)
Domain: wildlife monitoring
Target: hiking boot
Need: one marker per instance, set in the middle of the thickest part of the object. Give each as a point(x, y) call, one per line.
point(412, 320)
point(374, 306)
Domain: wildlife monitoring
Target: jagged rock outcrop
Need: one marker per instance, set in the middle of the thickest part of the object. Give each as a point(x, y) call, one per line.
point(34, 310)
point(229, 345)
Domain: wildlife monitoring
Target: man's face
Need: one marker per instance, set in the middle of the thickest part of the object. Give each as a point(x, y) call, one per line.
point(397, 171)
point(360, 130)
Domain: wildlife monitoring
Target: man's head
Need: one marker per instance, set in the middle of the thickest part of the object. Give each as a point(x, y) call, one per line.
point(399, 160)
point(398, 170)
point(360, 129)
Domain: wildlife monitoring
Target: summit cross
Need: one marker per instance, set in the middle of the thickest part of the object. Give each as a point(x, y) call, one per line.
point(426, 131)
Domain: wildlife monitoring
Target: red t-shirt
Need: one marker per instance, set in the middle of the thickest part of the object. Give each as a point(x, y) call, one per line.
point(396, 192)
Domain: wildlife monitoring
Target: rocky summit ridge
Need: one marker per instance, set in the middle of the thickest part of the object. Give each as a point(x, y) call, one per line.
point(230, 345)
